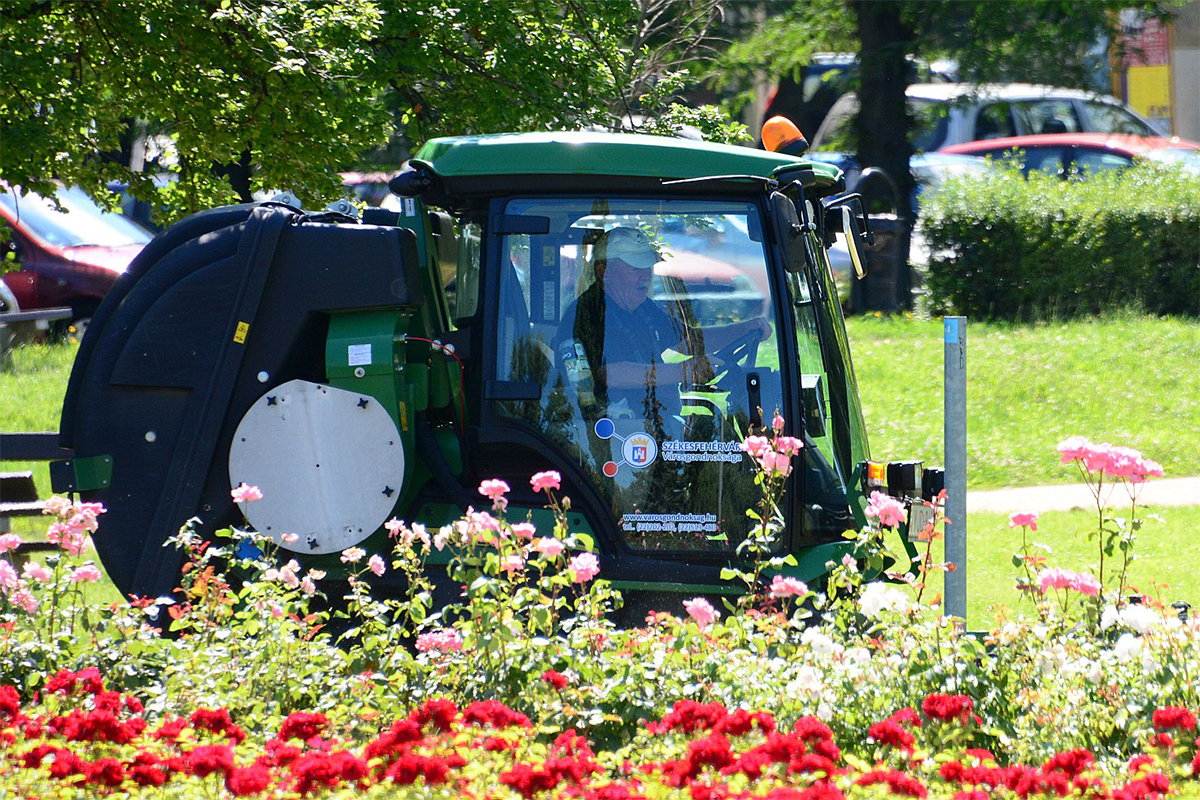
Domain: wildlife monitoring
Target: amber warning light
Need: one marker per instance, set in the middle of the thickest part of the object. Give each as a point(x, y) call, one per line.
point(780, 135)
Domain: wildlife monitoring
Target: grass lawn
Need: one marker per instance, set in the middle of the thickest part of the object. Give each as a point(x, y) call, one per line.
point(1166, 565)
point(1127, 379)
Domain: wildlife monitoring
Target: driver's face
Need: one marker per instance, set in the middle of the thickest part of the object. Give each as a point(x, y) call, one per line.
point(627, 285)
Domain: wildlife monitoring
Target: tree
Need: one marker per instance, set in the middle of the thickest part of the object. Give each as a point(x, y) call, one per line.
point(237, 96)
point(1039, 41)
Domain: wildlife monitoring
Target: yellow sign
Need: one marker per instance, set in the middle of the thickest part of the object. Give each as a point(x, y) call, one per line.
point(239, 335)
point(1150, 91)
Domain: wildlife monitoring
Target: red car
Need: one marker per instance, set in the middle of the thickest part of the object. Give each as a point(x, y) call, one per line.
point(1078, 154)
point(69, 257)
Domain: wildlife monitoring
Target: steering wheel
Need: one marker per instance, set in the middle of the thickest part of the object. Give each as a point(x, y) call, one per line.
point(744, 348)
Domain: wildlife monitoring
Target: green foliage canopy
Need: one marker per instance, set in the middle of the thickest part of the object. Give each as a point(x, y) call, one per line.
point(253, 95)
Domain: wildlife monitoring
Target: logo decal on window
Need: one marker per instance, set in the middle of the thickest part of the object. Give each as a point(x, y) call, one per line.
point(639, 450)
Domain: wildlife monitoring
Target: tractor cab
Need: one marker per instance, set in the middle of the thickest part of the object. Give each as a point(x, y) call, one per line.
point(622, 309)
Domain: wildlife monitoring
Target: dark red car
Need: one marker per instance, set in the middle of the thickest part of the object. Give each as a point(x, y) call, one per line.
point(1080, 154)
point(68, 257)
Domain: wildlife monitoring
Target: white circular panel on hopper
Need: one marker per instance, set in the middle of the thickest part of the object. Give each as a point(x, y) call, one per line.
point(329, 463)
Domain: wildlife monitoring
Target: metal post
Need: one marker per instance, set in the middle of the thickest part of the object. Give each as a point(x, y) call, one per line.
point(955, 335)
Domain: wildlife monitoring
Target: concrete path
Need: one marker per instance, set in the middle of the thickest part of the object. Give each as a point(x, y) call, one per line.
point(1156, 493)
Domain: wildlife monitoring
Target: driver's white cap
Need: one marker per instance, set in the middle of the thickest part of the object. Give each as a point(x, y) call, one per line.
point(628, 244)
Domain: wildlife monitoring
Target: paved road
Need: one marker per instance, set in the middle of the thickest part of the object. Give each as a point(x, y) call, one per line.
point(1156, 493)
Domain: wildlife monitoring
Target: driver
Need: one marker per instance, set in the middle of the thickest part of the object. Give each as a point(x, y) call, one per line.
point(618, 340)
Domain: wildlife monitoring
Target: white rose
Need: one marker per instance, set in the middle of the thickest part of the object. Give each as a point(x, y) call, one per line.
point(1140, 619)
point(1127, 647)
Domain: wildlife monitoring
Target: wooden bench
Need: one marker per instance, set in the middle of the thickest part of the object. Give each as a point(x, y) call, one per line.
point(18, 492)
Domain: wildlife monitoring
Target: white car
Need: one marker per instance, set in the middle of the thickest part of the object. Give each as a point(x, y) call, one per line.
point(954, 113)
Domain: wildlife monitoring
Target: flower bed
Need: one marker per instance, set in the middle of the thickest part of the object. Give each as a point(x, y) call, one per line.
point(527, 689)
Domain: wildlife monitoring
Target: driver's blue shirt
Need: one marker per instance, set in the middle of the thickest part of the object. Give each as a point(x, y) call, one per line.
point(610, 335)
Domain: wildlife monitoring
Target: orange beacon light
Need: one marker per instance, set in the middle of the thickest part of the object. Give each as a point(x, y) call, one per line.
point(780, 135)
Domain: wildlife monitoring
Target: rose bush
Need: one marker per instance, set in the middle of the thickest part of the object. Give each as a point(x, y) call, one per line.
point(526, 688)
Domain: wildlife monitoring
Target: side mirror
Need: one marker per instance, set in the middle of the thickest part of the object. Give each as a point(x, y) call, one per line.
point(844, 215)
point(853, 237)
point(789, 228)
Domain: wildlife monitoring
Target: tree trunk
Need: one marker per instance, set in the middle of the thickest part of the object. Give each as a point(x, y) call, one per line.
point(883, 120)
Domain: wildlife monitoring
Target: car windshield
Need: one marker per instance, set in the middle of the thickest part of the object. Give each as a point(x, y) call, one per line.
point(80, 222)
point(644, 325)
point(930, 124)
point(1175, 156)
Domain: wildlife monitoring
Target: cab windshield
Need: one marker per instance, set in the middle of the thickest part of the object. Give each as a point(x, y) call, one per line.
point(646, 328)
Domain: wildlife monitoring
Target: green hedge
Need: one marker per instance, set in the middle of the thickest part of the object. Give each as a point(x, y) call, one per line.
point(1008, 247)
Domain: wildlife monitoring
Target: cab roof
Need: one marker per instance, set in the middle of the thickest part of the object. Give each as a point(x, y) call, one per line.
point(618, 155)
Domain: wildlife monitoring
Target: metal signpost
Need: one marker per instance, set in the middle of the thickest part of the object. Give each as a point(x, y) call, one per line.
point(955, 335)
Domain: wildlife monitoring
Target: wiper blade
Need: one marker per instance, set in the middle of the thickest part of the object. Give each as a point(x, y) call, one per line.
point(770, 183)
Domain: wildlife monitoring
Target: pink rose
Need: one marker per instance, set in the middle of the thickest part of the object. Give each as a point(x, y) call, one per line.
point(1021, 520)
point(245, 493)
point(1073, 448)
point(785, 586)
point(376, 564)
point(756, 446)
point(889, 510)
point(352, 555)
point(446, 640)
point(10, 541)
point(493, 489)
point(777, 422)
point(775, 464)
point(788, 445)
point(702, 611)
point(545, 480)
point(524, 530)
point(35, 571)
point(512, 564)
point(85, 574)
point(549, 547)
point(24, 600)
point(584, 567)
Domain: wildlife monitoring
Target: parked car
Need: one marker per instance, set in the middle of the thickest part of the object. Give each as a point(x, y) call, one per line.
point(807, 98)
point(930, 170)
point(65, 257)
point(1079, 154)
point(955, 113)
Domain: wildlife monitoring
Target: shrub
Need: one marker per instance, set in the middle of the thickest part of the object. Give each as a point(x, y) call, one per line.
point(1009, 247)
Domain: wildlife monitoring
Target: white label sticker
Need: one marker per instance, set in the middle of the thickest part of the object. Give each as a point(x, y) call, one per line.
point(410, 207)
point(358, 354)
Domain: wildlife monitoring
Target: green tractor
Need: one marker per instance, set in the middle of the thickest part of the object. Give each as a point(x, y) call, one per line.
point(622, 309)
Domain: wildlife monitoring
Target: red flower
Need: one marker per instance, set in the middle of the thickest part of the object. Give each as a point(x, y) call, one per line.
point(529, 780)
point(689, 716)
point(279, 754)
point(207, 759)
point(434, 769)
point(497, 744)
point(898, 782)
point(1174, 717)
point(316, 770)
point(32, 758)
point(106, 772)
point(170, 729)
point(302, 725)
point(948, 707)
point(1071, 763)
point(10, 704)
point(555, 679)
point(495, 714)
point(217, 721)
point(251, 780)
point(395, 741)
point(439, 712)
point(147, 769)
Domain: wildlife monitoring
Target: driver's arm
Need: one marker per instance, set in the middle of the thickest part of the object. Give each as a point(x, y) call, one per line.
point(720, 336)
